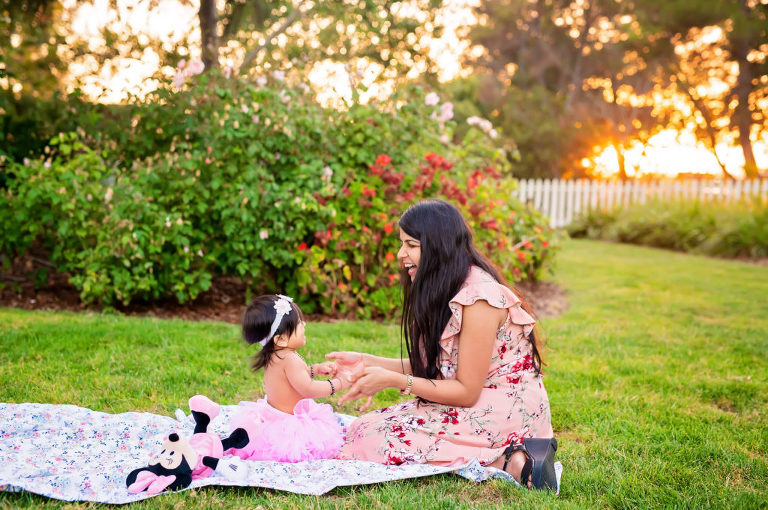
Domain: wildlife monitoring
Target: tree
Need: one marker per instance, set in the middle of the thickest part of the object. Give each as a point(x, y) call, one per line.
point(29, 41)
point(303, 32)
point(608, 59)
point(585, 54)
point(734, 58)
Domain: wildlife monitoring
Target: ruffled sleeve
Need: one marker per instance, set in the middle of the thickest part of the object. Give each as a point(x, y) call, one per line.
point(481, 286)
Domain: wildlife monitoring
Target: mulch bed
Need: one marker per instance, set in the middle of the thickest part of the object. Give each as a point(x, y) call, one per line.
point(225, 301)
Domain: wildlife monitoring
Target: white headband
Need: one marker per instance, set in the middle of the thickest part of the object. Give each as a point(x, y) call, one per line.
point(283, 308)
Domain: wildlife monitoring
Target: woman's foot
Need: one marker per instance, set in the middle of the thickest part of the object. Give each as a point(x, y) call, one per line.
point(532, 463)
point(514, 465)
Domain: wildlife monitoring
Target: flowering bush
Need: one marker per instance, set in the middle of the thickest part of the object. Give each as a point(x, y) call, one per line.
point(256, 181)
point(350, 267)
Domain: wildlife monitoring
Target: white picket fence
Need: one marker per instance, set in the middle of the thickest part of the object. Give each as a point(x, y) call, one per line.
point(564, 200)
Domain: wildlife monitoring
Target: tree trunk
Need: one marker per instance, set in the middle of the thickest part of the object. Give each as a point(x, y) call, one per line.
point(618, 146)
point(621, 161)
point(708, 124)
point(209, 33)
point(742, 116)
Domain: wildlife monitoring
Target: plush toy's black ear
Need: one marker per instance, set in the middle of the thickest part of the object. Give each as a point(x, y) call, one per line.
point(174, 437)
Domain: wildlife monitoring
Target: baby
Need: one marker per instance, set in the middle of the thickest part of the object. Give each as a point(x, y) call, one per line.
point(286, 425)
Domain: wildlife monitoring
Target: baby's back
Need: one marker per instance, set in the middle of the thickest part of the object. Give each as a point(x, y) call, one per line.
point(280, 393)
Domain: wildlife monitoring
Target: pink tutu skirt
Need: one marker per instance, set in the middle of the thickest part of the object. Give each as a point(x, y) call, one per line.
point(311, 432)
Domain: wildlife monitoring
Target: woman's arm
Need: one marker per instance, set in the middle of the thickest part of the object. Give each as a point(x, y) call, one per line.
point(297, 372)
point(401, 366)
point(351, 361)
point(478, 332)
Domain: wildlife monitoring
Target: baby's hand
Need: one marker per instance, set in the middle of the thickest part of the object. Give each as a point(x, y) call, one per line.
point(325, 368)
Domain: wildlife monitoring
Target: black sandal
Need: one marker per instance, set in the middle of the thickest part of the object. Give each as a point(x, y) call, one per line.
point(539, 467)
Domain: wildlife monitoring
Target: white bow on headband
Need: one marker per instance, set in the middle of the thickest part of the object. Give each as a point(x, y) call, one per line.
point(283, 308)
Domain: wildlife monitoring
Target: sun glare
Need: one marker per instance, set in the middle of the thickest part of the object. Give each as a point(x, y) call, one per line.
point(670, 154)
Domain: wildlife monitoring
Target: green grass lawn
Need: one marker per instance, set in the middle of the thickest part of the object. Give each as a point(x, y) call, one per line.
point(658, 379)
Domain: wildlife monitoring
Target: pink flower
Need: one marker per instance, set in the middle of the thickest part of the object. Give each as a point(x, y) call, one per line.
point(261, 81)
point(278, 75)
point(431, 99)
point(178, 79)
point(446, 112)
point(181, 64)
point(196, 67)
point(228, 72)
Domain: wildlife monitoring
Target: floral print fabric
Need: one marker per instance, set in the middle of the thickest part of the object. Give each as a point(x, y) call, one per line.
point(76, 454)
point(513, 403)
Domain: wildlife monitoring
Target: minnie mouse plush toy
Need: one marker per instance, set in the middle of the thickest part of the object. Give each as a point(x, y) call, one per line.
point(183, 460)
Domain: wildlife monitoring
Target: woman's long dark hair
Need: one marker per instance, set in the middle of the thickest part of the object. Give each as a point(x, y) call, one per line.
point(447, 255)
point(257, 321)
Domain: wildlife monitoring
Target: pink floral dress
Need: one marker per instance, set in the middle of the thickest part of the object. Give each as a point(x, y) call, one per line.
point(513, 403)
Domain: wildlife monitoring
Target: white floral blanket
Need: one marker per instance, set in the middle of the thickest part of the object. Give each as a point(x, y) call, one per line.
point(76, 454)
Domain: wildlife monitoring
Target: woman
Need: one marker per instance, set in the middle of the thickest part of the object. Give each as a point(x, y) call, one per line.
point(472, 362)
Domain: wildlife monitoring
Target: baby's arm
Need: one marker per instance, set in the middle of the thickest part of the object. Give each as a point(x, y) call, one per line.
point(297, 373)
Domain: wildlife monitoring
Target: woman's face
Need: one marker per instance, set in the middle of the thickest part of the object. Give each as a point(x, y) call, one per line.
point(409, 253)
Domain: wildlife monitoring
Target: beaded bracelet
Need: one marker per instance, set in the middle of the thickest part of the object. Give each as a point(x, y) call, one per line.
point(311, 371)
point(333, 389)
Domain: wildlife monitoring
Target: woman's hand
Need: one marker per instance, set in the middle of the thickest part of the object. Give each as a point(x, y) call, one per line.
point(369, 382)
point(349, 365)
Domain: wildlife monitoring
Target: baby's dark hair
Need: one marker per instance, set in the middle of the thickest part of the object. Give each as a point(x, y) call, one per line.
point(257, 322)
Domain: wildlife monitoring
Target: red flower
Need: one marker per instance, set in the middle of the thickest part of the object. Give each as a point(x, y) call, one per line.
point(388, 228)
point(490, 224)
point(521, 256)
point(383, 160)
point(302, 247)
point(389, 256)
point(545, 244)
